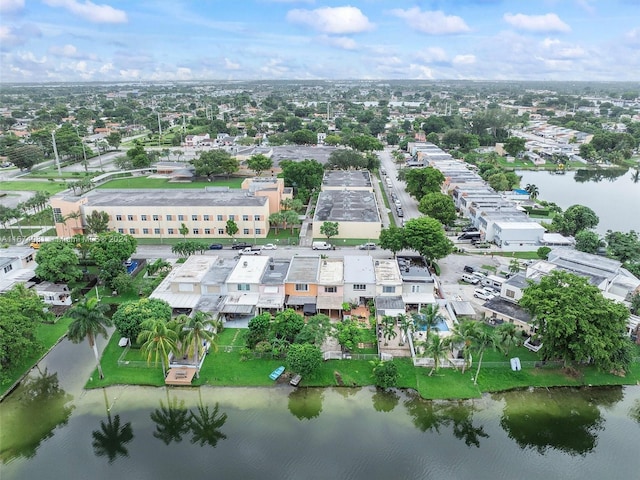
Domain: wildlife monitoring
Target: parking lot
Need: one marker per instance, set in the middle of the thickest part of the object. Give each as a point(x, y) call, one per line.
point(452, 268)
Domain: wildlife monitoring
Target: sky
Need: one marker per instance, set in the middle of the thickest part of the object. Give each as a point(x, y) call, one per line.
point(168, 40)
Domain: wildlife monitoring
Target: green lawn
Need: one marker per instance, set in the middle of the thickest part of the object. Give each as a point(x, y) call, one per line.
point(23, 185)
point(48, 335)
point(226, 367)
point(43, 217)
point(145, 182)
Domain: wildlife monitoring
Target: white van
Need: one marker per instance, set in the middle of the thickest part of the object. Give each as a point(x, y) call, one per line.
point(322, 246)
point(389, 182)
point(470, 279)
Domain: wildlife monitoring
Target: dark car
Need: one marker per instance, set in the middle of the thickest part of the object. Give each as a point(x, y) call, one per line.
point(240, 245)
point(469, 228)
point(468, 269)
point(215, 246)
point(400, 213)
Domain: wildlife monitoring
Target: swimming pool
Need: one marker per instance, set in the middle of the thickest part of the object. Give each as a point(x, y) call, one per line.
point(440, 326)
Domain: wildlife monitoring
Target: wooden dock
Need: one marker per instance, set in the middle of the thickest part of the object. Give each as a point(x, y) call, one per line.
point(180, 376)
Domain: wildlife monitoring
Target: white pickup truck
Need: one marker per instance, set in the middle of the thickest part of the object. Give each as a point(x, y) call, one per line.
point(251, 251)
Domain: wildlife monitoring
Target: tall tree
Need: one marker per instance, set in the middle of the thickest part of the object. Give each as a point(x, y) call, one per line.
point(112, 245)
point(392, 238)
point(421, 181)
point(198, 330)
point(428, 318)
point(57, 262)
point(304, 176)
point(575, 219)
point(439, 206)
point(427, 237)
point(462, 337)
point(344, 159)
point(215, 162)
point(129, 316)
point(97, 222)
point(329, 229)
point(231, 228)
point(304, 358)
point(484, 338)
point(157, 339)
point(438, 349)
point(575, 323)
point(89, 321)
point(259, 163)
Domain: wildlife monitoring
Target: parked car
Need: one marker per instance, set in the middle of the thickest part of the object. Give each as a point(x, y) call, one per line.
point(251, 251)
point(367, 246)
point(240, 245)
point(215, 246)
point(490, 290)
point(35, 245)
point(322, 246)
point(400, 212)
point(469, 228)
point(468, 269)
point(470, 279)
point(269, 246)
point(6, 164)
point(482, 294)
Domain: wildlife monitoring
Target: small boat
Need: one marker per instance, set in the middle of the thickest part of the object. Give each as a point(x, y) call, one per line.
point(515, 364)
point(276, 373)
point(295, 381)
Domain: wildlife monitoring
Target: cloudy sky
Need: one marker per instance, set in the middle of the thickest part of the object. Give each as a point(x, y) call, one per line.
point(123, 40)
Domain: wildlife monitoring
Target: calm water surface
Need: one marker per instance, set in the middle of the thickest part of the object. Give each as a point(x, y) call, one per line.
point(611, 194)
point(52, 429)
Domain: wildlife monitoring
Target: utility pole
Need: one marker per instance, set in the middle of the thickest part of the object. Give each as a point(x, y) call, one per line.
point(159, 131)
point(55, 151)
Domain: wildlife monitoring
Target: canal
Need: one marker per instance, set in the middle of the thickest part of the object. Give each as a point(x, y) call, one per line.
point(614, 195)
point(53, 429)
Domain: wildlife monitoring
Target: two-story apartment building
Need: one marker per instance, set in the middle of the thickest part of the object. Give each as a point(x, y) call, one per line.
point(301, 283)
point(388, 299)
point(359, 279)
point(243, 285)
point(330, 286)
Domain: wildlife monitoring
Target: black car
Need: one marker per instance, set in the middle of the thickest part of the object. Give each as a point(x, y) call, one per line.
point(400, 212)
point(468, 269)
point(469, 228)
point(215, 246)
point(240, 245)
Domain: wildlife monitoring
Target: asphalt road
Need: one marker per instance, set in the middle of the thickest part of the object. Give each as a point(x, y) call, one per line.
point(409, 204)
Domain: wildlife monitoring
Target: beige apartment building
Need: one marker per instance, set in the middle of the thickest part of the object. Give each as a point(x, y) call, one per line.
point(153, 213)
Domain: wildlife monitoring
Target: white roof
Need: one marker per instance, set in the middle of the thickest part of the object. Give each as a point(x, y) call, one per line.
point(249, 269)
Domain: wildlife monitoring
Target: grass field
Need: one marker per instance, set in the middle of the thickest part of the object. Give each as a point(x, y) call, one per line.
point(145, 182)
point(24, 185)
point(226, 367)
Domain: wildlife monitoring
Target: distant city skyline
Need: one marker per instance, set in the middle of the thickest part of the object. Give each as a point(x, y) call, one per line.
point(125, 40)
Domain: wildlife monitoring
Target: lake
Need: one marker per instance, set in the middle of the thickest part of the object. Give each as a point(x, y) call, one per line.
point(53, 429)
point(611, 194)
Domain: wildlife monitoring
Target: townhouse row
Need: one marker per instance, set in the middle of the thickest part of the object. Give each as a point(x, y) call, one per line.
point(240, 288)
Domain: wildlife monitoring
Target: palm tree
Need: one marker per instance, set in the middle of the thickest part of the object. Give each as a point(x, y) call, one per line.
point(405, 324)
point(436, 348)
point(89, 321)
point(514, 266)
point(463, 335)
point(388, 328)
point(532, 190)
point(508, 337)
point(275, 219)
point(429, 318)
point(483, 339)
point(199, 329)
point(158, 339)
point(110, 440)
point(74, 216)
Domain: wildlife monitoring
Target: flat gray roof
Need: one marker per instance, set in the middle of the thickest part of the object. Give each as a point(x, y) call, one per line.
point(359, 269)
point(303, 269)
point(276, 272)
point(346, 206)
point(186, 197)
point(297, 153)
point(347, 178)
point(503, 307)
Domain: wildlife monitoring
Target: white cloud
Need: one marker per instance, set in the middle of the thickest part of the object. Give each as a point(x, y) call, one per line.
point(333, 20)
point(420, 72)
point(18, 35)
point(432, 55)
point(464, 59)
point(432, 22)
point(90, 11)
point(64, 51)
point(275, 68)
point(11, 6)
point(106, 68)
point(229, 65)
point(345, 43)
point(549, 22)
point(633, 36)
point(554, 48)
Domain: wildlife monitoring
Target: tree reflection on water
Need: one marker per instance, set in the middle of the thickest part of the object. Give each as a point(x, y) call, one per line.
point(41, 407)
point(532, 418)
point(430, 415)
point(306, 403)
point(111, 438)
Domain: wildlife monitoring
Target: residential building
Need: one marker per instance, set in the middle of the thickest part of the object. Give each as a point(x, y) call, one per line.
point(301, 283)
point(330, 286)
point(359, 279)
point(355, 211)
point(149, 213)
